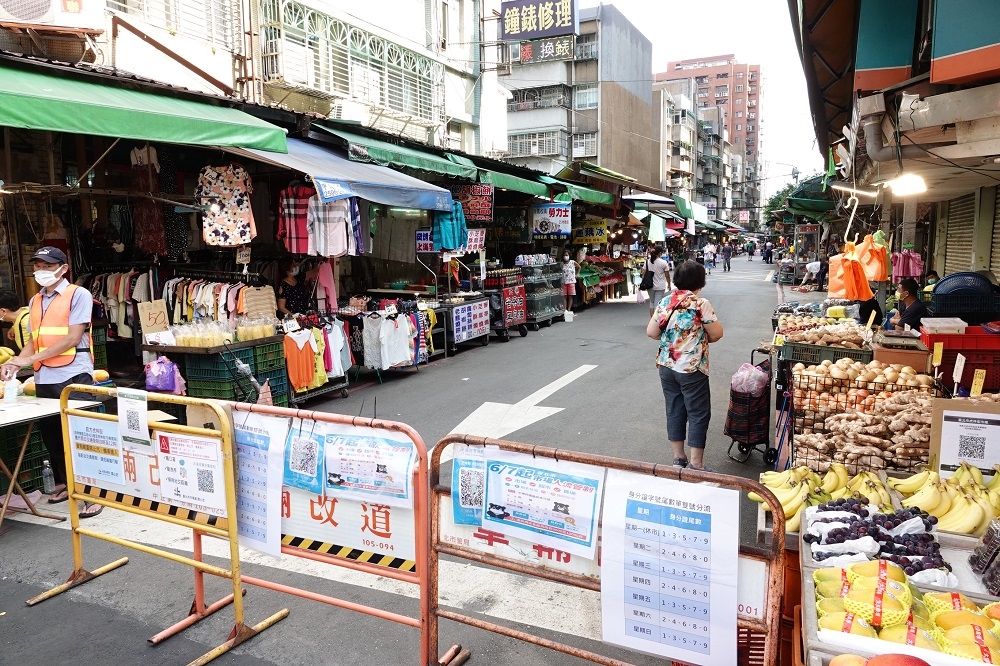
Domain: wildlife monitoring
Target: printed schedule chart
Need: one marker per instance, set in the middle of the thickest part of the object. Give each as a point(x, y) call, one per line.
point(668, 559)
point(669, 568)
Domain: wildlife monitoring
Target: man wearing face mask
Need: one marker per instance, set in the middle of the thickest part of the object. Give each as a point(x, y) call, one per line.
point(59, 350)
point(570, 273)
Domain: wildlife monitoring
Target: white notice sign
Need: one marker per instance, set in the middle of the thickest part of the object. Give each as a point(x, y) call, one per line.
point(969, 437)
point(669, 568)
point(260, 451)
point(191, 472)
point(133, 422)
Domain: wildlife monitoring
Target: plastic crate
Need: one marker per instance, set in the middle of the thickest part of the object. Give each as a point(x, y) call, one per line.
point(974, 360)
point(100, 357)
point(278, 381)
point(100, 335)
point(10, 442)
point(268, 357)
point(801, 352)
point(973, 308)
point(974, 338)
point(221, 366)
point(30, 474)
point(231, 389)
point(280, 400)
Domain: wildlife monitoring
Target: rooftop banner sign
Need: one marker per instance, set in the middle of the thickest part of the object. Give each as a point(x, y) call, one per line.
point(536, 19)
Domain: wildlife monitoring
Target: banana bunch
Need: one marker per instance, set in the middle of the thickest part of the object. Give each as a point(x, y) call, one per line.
point(798, 488)
point(6, 353)
point(962, 503)
point(868, 484)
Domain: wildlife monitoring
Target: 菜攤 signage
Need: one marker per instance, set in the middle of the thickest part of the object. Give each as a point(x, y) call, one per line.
point(551, 221)
point(476, 200)
point(536, 19)
point(549, 49)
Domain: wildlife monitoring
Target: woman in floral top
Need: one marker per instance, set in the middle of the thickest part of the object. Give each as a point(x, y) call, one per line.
point(685, 324)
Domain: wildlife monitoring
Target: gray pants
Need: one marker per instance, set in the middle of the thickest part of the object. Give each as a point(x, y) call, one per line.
point(655, 296)
point(689, 403)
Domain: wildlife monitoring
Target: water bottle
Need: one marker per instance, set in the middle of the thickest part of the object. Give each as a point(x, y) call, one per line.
point(48, 478)
point(10, 389)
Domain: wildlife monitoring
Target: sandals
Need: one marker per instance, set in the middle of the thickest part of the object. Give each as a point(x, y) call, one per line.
point(89, 511)
point(59, 496)
point(680, 462)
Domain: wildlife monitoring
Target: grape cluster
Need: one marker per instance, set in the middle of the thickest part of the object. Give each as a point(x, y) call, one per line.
point(912, 552)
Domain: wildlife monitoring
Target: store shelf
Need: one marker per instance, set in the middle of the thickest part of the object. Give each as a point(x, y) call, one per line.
point(165, 349)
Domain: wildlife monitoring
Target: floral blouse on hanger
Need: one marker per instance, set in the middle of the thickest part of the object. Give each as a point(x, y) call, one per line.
point(228, 187)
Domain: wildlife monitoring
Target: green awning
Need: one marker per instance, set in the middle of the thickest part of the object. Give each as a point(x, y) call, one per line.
point(32, 100)
point(657, 228)
point(364, 149)
point(683, 207)
point(576, 192)
point(508, 182)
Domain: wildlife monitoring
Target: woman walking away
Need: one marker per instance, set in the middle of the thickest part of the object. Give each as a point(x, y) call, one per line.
point(661, 278)
point(685, 324)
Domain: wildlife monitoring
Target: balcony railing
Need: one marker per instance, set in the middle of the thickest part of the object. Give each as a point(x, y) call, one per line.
point(539, 104)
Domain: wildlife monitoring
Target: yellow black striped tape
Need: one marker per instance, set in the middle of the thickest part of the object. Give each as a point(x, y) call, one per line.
point(156, 507)
point(349, 553)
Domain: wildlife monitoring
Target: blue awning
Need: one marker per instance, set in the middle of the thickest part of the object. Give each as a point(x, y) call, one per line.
point(337, 177)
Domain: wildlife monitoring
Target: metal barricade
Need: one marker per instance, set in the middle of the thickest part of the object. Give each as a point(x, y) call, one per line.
point(758, 631)
point(109, 474)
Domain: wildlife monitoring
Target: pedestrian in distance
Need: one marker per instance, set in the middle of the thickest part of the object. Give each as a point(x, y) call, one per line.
point(727, 257)
point(709, 251)
point(751, 246)
point(685, 324)
point(570, 273)
point(661, 278)
point(60, 350)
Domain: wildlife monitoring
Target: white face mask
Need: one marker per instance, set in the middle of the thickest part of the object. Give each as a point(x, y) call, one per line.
point(565, 257)
point(47, 278)
point(294, 271)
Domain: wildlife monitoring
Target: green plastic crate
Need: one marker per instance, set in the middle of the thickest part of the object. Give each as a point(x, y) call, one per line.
point(799, 352)
point(269, 357)
point(30, 474)
point(280, 400)
point(240, 388)
point(100, 357)
point(278, 379)
point(10, 442)
point(100, 334)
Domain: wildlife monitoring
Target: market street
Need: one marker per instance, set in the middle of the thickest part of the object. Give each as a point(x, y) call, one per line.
point(615, 408)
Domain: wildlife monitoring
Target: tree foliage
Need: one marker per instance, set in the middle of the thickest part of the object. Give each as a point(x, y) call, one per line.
point(777, 200)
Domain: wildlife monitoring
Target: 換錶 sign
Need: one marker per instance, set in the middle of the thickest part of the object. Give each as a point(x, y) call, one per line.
point(535, 19)
point(549, 49)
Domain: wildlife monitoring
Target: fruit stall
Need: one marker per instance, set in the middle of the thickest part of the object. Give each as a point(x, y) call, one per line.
point(897, 563)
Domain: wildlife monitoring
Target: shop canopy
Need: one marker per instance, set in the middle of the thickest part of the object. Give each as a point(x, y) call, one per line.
point(37, 101)
point(691, 210)
point(504, 181)
point(577, 192)
point(365, 149)
point(337, 177)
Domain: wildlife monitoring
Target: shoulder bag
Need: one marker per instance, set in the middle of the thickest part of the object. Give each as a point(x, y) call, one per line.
point(647, 279)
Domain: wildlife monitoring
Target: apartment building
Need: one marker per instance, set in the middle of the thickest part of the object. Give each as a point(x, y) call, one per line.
point(736, 89)
point(593, 103)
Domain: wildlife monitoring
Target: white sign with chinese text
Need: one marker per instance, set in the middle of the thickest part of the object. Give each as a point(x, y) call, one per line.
point(133, 424)
point(470, 320)
point(369, 464)
point(97, 455)
point(191, 472)
point(369, 526)
point(260, 450)
point(552, 221)
point(539, 499)
point(669, 568)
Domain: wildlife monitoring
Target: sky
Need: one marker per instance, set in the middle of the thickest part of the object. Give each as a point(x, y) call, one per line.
point(757, 32)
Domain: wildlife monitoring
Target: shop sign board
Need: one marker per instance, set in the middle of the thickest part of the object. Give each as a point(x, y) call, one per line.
point(470, 320)
point(332, 190)
point(548, 49)
point(669, 568)
point(552, 221)
point(807, 228)
point(711, 206)
point(594, 232)
point(476, 200)
point(964, 432)
point(425, 241)
point(535, 19)
point(476, 242)
point(510, 225)
point(515, 306)
point(744, 216)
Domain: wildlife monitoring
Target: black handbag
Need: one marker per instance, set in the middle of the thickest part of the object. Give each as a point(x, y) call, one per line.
point(647, 280)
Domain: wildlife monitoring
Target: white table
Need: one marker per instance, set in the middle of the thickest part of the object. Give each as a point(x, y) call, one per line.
point(30, 410)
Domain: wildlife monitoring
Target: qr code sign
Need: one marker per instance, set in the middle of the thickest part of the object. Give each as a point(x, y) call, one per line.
point(206, 481)
point(470, 488)
point(132, 420)
point(971, 447)
point(304, 454)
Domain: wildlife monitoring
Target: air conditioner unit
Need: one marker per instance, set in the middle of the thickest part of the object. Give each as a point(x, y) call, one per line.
point(27, 11)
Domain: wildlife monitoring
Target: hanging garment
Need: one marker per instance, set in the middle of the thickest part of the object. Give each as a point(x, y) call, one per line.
point(293, 208)
point(327, 225)
point(394, 341)
point(336, 344)
point(450, 231)
point(373, 342)
point(175, 225)
point(319, 367)
point(150, 235)
point(300, 351)
point(356, 229)
point(326, 290)
point(228, 188)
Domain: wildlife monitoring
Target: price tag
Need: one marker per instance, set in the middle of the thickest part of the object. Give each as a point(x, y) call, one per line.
point(390, 309)
point(978, 378)
point(956, 376)
point(153, 316)
point(938, 353)
point(779, 340)
point(243, 255)
point(291, 325)
point(871, 320)
point(421, 306)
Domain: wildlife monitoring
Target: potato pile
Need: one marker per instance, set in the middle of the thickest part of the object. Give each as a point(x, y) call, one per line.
point(848, 335)
point(788, 323)
point(895, 435)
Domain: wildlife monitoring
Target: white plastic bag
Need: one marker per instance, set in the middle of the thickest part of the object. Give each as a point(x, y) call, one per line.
point(640, 297)
point(750, 379)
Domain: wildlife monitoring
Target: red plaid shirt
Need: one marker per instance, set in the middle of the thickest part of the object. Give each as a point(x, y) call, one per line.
point(293, 204)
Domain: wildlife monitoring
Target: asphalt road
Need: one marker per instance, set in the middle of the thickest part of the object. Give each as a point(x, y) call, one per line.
point(616, 409)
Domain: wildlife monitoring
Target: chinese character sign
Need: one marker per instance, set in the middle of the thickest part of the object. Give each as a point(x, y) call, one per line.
point(669, 568)
point(425, 241)
point(470, 320)
point(515, 306)
point(476, 200)
point(551, 221)
point(593, 232)
point(534, 19)
point(97, 454)
point(549, 49)
point(744, 216)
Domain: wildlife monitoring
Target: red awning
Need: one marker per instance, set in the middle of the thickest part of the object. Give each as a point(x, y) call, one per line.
point(671, 224)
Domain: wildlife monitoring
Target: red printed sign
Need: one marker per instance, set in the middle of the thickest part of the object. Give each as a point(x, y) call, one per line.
point(515, 307)
point(476, 200)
